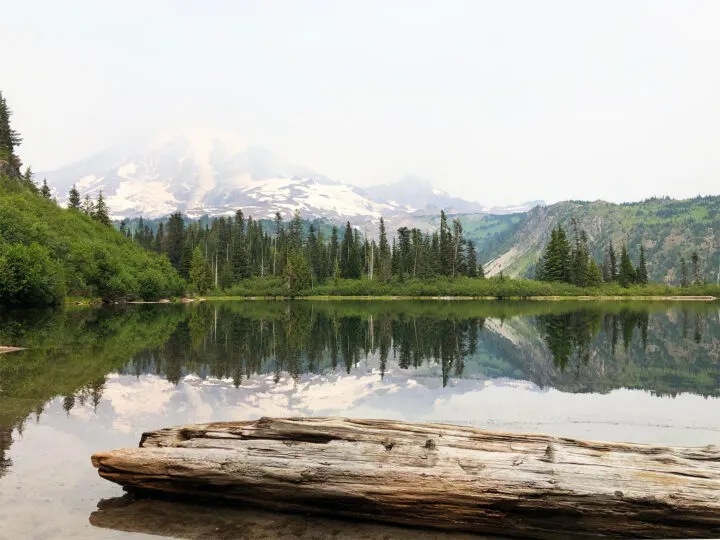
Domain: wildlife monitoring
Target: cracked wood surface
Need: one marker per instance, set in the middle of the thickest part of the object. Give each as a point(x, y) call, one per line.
point(430, 475)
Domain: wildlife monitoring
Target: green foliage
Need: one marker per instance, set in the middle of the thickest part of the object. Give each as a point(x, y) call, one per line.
point(626, 274)
point(493, 287)
point(297, 273)
point(101, 211)
point(667, 229)
point(641, 274)
point(74, 198)
point(29, 276)
point(45, 190)
point(9, 139)
point(200, 272)
point(80, 256)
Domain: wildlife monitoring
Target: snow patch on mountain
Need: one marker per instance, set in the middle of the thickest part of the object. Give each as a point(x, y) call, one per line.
point(201, 172)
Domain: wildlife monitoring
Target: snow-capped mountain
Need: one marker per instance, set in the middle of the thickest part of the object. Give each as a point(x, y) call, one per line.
point(202, 172)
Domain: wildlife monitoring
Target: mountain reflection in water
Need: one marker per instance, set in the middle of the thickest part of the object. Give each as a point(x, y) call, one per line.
point(96, 379)
point(591, 347)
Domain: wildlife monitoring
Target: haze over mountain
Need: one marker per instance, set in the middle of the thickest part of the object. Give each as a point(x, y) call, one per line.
point(202, 172)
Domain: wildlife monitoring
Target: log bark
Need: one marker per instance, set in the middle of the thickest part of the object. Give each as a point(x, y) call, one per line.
point(430, 475)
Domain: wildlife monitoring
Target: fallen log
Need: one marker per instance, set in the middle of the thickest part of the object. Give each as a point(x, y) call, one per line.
point(430, 475)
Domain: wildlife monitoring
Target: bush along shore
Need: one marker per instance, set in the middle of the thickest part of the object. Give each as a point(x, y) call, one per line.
point(495, 287)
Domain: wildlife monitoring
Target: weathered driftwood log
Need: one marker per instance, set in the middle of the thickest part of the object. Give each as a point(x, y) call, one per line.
point(430, 475)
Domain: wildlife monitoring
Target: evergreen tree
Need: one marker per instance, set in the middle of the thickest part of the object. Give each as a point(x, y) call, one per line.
point(626, 274)
point(555, 262)
point(683, 272)
point(160, 238)
point(295, 232)
point(334, 253)
point(200, 272)
point(175, 238)
point(384, 255)
point(594, 275)
point(606, 268)
point(297, 272)
point(74, 198)
point(313, 252)
point(579, 257)
point(613, 262)
point(45, 190)
point(446, 247)
point(480, 271)
point(28, 178)
point(458, 250)
point(695, 260)
point(101, 211)
point(88, 206)
point(241, 267)
point(186, 262)
point(472, 264)
point(349, 256)
point(641, 272)
point(9, 138)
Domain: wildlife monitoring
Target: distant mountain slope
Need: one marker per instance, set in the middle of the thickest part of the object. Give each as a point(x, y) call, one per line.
point(668, 229)
point(202, 172)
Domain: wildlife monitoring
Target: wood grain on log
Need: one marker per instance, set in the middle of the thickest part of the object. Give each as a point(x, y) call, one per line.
point(430, 475)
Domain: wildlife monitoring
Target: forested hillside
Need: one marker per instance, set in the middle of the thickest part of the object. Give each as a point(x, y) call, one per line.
point(223, 252)
point(669, 230)
point(47, 252)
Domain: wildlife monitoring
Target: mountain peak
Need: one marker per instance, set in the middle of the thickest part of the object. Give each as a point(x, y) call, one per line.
point(200, 171)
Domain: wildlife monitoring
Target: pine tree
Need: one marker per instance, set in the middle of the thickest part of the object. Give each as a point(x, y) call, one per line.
point(349, 256)
point(28, 178)
point(241, 267)
point(384, 256)
point(334, 253)
point(186, 262)
point(481, 271)
point(45, 190)
point(555, 263)
point(458, 251)
point(472, 264)
point(9, 138)
point(160, 238)
point(613, 262)
point(594, 275)
point(101, 211)
point(295, 232)
point(200, 272)
point(446, 247)
point(175, 238)
point(683, 272)
point(641, 272)
point(695, 260)
point(626, 275)
point(74, 198)
point(88, 206)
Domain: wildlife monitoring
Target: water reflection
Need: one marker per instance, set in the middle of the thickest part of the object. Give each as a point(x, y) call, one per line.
point(182, 519)
point(666, 349)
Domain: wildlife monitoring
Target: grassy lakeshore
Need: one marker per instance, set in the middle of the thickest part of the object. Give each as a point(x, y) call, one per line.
point(463, 288)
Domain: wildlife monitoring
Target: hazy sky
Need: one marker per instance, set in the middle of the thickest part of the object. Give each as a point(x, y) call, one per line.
point(501, 101)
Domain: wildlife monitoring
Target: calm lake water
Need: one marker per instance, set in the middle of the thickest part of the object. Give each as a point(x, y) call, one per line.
point(95, 379)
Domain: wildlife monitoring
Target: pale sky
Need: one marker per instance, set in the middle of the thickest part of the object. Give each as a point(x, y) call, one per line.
point(499, 102)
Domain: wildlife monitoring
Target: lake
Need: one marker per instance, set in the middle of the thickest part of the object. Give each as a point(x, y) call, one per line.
point(95, 379)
